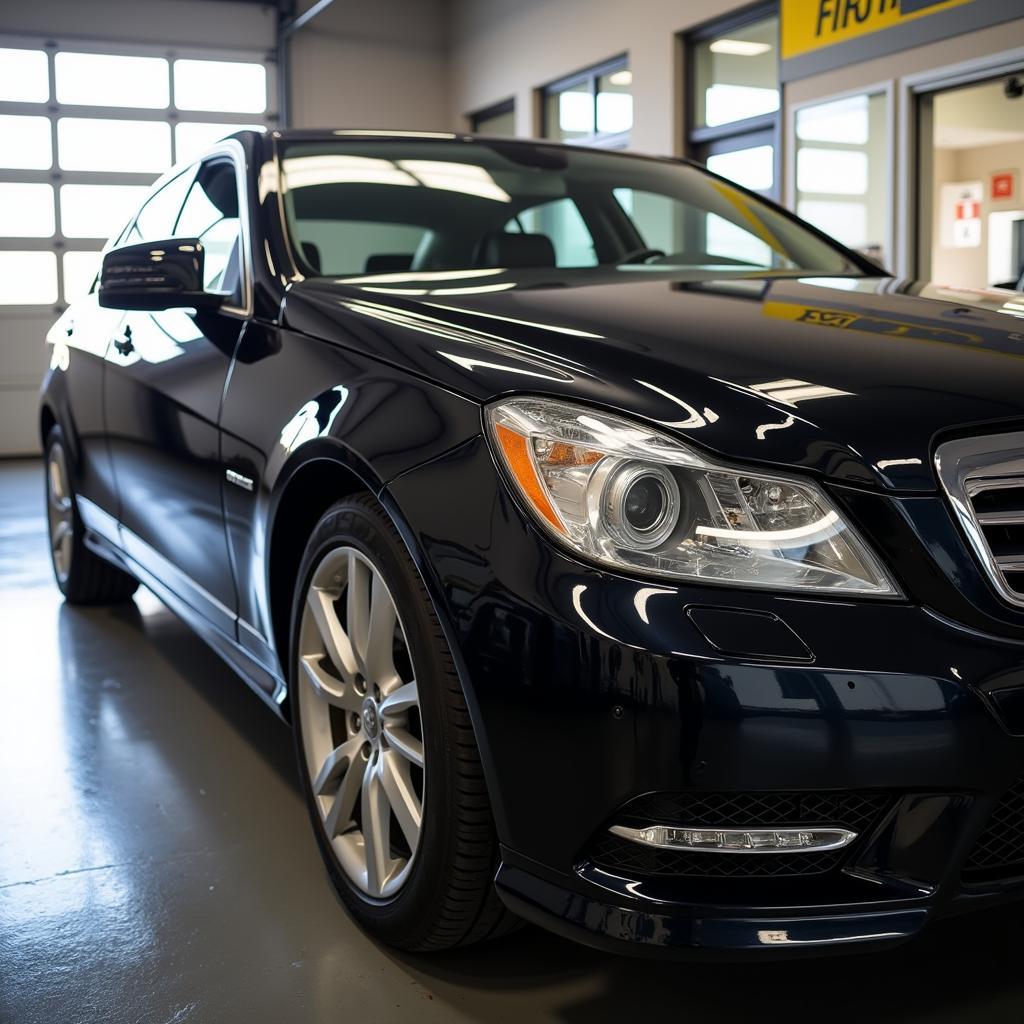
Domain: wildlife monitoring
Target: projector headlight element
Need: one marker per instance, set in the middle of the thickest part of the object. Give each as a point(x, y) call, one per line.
point(629, 497)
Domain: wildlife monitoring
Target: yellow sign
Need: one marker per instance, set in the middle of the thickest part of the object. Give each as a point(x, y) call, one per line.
point(809, 25)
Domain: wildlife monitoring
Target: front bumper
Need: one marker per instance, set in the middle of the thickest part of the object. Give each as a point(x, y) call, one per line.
point(590, 690)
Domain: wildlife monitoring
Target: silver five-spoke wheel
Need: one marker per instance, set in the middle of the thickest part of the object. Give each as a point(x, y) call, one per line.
point(362, 732)
point(59, 512)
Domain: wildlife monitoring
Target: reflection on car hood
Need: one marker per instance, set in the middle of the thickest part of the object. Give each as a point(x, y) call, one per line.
point(852, 378)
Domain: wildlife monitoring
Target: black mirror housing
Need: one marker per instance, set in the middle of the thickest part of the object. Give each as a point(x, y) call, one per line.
point(156, 275)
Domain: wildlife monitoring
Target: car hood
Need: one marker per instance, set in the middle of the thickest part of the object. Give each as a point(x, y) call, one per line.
point(849, 378)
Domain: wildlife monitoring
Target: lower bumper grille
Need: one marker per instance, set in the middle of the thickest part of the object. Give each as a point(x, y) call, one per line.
point(855, 811)
point(999, 851)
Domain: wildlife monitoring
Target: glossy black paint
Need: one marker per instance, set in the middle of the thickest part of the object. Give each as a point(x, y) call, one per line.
point(323, 388)
point(155, 275)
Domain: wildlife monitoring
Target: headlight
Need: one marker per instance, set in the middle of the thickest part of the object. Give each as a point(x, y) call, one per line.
point(624, 495)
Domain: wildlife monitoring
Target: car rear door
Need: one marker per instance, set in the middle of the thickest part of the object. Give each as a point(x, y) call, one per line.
point(165, 380)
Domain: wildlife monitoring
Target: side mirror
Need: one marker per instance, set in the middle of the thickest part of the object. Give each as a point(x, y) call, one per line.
point(156, 275)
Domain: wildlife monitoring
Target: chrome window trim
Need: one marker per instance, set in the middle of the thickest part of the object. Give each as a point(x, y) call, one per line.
point(967, 467)
point(236, 152)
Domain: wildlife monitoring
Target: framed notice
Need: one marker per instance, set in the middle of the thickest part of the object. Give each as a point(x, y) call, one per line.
point(960, 226)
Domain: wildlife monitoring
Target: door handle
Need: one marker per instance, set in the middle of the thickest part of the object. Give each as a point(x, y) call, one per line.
point(124, 345)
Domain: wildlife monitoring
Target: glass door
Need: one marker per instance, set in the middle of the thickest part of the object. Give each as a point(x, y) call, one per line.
point(970, 210)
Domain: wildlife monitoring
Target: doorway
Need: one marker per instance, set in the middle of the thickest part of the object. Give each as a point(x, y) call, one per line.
point(970, 206)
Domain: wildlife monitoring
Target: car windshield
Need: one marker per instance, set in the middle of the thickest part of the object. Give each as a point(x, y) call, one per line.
point(397, 209)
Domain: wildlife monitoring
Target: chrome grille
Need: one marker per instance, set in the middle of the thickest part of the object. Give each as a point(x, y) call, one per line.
point(984, 480)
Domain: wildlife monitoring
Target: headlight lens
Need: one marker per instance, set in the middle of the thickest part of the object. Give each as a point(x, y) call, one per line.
point(629, 497)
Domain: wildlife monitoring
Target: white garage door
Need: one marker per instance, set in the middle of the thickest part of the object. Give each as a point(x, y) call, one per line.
point(84, 130)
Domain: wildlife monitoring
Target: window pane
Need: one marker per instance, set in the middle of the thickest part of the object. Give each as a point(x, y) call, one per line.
point(569, 114)
point(498, 124)
point(26, 211)
point(193, 138)
point(844, 121)
point(737, 74)
point(24, 76)
point(847, 221)
point(416, 184)
point(80, 270)
point(198, 215)
point(221, 266)
point(842, 168)
point(753, 168)
point(97, 211)
point(658, 219)
point(336, 247)
point(28, 278)
point(562, 222)
point(220, 85)
point(97, 144)
point(210, 214)
point(27, 143)
point(731, 242)
point(832, 172)
point(615, 101)
point(156, 219)
point(101, 79)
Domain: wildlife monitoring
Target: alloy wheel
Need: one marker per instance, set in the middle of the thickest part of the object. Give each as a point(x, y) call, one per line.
point(60, 512)
point(361, 727)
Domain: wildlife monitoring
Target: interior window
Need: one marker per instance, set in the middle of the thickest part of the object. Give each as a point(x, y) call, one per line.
point(210, 214)
point(727, 241)
point(657, 219)
point(662, 221)
point(561, 221)
point(342, 247)
point(158, 214)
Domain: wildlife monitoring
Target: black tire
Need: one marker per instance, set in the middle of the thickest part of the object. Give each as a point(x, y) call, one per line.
point(87, 578)
point(449, 898)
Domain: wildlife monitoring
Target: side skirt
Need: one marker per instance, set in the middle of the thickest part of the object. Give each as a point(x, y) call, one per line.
point(268, 686)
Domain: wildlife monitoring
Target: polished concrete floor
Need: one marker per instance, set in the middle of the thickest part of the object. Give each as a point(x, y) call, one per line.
point(156, 864)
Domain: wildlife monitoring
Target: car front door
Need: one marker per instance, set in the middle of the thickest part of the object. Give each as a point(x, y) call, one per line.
point(165, 379)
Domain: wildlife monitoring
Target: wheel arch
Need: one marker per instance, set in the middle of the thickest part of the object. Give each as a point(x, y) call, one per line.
point(47, 421)
point(308, 488)
point(327, 473)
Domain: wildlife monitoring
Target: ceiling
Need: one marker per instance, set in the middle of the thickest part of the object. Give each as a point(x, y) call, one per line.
point(979, 115)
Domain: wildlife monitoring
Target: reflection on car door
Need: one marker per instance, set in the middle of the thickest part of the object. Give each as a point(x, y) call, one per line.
point(165, 379)
point(81, 337)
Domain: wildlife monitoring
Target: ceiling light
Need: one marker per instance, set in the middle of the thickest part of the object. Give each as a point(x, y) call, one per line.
point(624, 77)
point(739, 47)
point(338, 169)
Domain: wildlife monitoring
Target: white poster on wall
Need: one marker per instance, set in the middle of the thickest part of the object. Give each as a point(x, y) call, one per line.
point(961, 215)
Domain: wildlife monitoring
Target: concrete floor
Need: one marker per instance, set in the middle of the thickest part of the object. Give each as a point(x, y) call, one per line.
point(157, 866)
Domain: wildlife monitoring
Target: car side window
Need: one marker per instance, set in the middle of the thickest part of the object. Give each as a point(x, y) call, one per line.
point(210, 213)
point(156, 219)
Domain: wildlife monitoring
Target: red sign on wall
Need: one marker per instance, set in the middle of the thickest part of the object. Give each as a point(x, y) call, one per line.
point(1003, 185)
point(968, 209)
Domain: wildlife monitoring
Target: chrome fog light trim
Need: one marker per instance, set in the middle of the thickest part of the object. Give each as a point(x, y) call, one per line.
point(737, 840)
